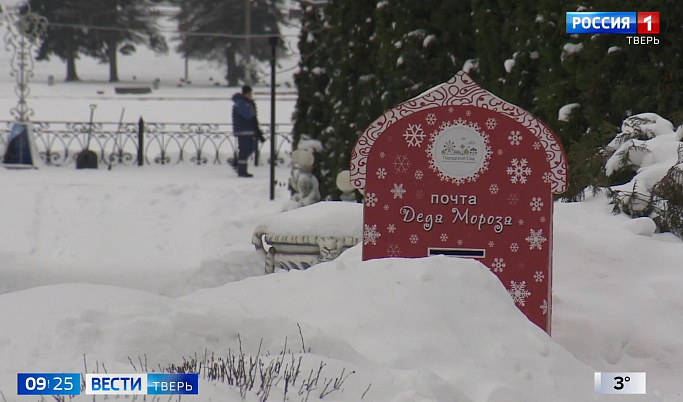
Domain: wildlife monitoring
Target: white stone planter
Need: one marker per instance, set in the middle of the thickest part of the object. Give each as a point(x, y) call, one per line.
point(303, 237)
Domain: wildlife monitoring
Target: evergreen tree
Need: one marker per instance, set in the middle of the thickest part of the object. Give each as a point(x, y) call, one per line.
point(359, 59)
point(204, 18)
point(521, 62)
point(554, 87)
point(67, 43)
point(422, 51)
point(339, 95)
point(523, 55)
point(123, 25)
point(492, 43)
point(608, 77)
point(311, 114)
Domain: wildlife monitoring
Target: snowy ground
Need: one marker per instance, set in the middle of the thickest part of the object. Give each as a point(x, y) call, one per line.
point(156, 263)
point(136, 268)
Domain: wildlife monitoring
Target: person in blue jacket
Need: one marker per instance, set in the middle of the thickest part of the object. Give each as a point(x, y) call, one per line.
point(245, 127)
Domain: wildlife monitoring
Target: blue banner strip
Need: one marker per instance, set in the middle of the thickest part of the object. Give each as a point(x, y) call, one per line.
point(48, 384)
point(602, 23)
point(167, 384)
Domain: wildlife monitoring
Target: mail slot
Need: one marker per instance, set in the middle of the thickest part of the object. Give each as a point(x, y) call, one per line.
point(459, 252)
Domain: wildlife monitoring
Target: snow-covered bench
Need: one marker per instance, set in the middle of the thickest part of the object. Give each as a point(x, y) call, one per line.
point(303, 237)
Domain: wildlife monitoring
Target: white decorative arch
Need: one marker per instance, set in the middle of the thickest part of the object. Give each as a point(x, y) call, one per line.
point(461, 90)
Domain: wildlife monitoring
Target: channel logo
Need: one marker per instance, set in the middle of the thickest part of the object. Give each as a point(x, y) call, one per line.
point(141, 384)
point(625, 23)
point(116, 384)
point(648, 23)
point(107, 384)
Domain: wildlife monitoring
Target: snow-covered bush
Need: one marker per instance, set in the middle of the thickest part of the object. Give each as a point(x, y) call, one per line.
point(295, 376)
point(652, 150)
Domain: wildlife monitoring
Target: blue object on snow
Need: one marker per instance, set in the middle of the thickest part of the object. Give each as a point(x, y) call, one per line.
point(18, 150)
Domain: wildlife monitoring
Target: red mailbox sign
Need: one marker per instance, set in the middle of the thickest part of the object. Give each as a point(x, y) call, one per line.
point(460, 172)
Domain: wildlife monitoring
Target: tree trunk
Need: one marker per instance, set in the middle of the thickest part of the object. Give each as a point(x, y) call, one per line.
point(112, 55)
point(233, 75)
point(71, 74)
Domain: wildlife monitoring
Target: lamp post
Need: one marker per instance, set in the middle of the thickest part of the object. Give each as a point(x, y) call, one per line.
point(247, 38)
point(24, 30)
point(273, 46)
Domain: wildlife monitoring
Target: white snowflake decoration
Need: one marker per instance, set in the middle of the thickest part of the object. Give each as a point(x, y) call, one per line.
point(386, 207)
point(401, 163)
point(519, 171)
point(513, 199)
point(491, 123)
point(391, 228)
point(515, 138)
point(542, 219)
point(414, 239)
point(381, 173)
point(451, 109)
point(491, 244)
point(547, 177)
point(519, 292)
point(493, 189)
point(419, 194)
point(498, 264)
point(468, 113)
point(544, 307)
point(382, 154)
point(419, 175)
point(537, 145)
point(500, 152)
point(398, 191)
point(538, 276)
point(536, 239)
point(393, 250)
point(444, 237)
point(431, 119)
point(370, 234)
point(536, 204)
point(459, 242)
point(371, 199)
point(520, 222)
point(414, 135)
point(514, 247)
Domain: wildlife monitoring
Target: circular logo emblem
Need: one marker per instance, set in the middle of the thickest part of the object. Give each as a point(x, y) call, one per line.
point(459, 153)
